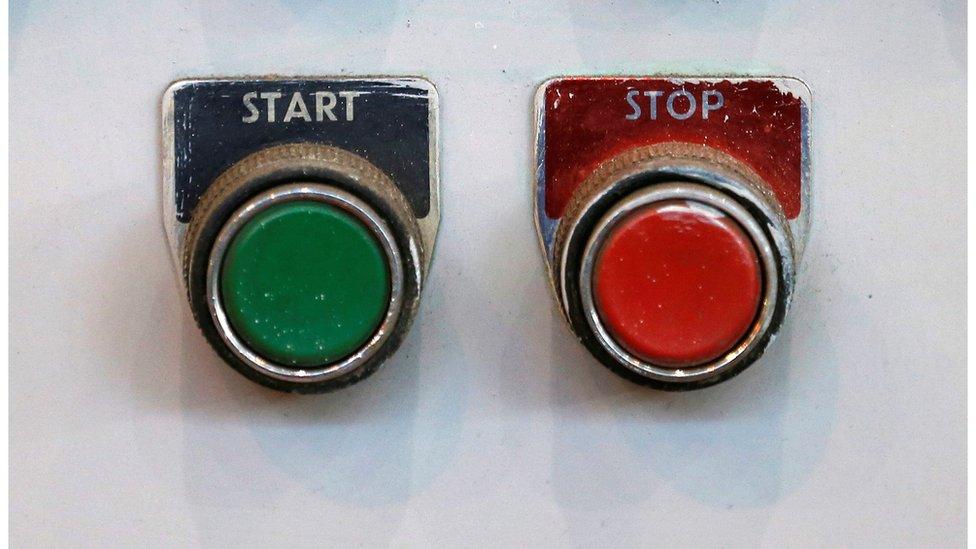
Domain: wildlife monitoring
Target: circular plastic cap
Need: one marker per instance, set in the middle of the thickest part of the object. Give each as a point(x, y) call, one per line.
point(677, 283)
point(305, 283)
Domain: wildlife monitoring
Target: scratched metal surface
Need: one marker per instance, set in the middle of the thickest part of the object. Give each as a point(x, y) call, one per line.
point(491, 425)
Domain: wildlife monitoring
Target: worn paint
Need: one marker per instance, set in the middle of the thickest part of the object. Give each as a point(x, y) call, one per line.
point(218, 122)
point(589, 120)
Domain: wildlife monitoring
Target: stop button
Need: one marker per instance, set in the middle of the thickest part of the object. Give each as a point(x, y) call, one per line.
point(677, 282)
point(673, 269)
point(672, 213)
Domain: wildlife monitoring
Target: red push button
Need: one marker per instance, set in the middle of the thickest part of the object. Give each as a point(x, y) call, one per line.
point(677, 283)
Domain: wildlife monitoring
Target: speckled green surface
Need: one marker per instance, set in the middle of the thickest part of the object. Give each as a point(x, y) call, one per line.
point(305, 284)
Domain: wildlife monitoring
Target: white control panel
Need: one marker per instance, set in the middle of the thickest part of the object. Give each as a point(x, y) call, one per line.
point(491, 425)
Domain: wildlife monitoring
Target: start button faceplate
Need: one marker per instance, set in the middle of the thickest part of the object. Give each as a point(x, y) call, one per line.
point(302, 213)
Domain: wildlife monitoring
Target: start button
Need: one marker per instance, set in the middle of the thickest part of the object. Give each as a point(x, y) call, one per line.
point(304, 283)
point(677, 283)
point(303, 266)
point(305, 279)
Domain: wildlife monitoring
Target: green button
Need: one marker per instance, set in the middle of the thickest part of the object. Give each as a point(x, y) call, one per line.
point(305, 284)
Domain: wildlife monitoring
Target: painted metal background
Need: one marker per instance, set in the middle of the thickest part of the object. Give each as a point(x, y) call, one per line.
point(492, 424)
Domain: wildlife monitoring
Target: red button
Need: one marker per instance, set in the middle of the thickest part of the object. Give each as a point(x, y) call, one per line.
point(677, 283)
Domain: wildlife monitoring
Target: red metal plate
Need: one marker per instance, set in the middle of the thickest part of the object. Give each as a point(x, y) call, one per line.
point(588, 120)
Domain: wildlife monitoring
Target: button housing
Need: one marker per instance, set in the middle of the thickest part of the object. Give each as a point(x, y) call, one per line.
point(263, 162)
point(620, 159)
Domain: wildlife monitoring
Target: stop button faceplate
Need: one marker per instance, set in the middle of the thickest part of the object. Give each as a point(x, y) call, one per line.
point(672, 212)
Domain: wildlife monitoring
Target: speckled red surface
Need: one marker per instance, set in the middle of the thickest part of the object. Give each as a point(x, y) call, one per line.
point(677, 283)
point(585, 124)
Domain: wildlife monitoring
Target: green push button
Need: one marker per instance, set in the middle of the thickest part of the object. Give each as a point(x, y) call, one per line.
point(305, 283)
